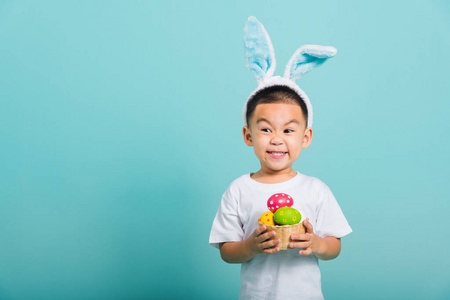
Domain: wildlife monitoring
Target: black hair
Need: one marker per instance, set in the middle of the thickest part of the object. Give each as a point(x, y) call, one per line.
point(275, 94)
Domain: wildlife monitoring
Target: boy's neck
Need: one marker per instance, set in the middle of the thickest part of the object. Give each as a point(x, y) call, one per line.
point(276, 177)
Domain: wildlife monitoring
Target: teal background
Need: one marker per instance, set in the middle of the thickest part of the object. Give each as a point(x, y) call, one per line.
point(120, 128)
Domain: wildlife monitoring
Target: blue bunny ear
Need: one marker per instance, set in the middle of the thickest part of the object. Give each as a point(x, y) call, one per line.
point(259, 54)
point(307, 58)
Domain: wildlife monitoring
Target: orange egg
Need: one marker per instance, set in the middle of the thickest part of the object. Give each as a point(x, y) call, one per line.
point(266, 218)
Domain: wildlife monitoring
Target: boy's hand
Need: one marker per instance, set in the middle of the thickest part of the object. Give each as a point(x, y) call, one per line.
point(257, 243)
point(323, 248)
point(310, 242)
point(262, 242)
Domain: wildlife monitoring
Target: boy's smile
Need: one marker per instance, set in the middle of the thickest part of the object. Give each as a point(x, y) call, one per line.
point(276, 155)
point(277, 133)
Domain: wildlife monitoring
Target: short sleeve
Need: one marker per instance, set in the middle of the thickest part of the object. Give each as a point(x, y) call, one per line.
point(227, 226)
point(330, 218)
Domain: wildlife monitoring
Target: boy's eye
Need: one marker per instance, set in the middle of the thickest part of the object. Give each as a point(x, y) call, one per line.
point(265, 130)
point(288, 130)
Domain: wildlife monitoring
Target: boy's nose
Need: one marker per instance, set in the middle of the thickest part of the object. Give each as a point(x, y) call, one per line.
point(276, 140)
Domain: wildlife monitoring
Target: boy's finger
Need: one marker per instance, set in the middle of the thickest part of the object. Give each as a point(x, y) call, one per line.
point(305, 252)
point(266, 236)
point(300, 237)
point(303, 245)
point(260, 230)
point(271, 250)
point(308, 225)
point(270, 244)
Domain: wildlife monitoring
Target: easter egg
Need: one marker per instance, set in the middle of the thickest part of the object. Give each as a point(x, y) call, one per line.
point(266, 218)
point(279, 200)
point(287, 216)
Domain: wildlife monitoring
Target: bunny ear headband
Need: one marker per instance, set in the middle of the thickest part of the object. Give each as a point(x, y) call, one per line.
point(260, 59)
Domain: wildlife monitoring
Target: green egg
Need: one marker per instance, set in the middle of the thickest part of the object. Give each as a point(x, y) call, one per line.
point(287, 216)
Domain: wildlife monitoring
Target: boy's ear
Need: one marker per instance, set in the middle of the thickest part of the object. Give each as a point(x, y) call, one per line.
point(247, 136)
point(307, 138)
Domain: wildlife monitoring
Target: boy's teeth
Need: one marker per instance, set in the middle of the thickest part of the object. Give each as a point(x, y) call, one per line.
point(277, 153)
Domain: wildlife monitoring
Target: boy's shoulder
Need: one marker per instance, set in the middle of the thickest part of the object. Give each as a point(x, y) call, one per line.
point(312, 183)
point(244, 186)
point(312, 180)
point(237, 187)
point(245, 180)
point(241, 181)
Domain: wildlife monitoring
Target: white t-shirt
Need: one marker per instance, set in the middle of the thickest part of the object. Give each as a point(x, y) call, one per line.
point(285, 274)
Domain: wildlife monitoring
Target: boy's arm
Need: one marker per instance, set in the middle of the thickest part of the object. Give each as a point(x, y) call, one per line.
point(243, 251)
point(329, 249)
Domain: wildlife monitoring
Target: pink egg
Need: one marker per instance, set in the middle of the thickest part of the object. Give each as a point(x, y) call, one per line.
point(279, 200)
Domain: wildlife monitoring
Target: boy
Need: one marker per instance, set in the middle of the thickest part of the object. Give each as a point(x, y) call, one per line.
point(277, 124)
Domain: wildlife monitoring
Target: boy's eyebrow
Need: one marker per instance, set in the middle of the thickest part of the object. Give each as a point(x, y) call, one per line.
point(265, 120)
point(262, 120)
point(293, 121)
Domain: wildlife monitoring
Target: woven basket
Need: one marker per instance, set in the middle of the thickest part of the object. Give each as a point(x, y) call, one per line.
point(284, 233)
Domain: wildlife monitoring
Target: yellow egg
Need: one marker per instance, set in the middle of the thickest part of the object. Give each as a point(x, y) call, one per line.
point(266, 218)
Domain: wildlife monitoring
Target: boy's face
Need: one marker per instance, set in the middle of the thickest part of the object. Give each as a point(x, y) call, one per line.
point(278, 133)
